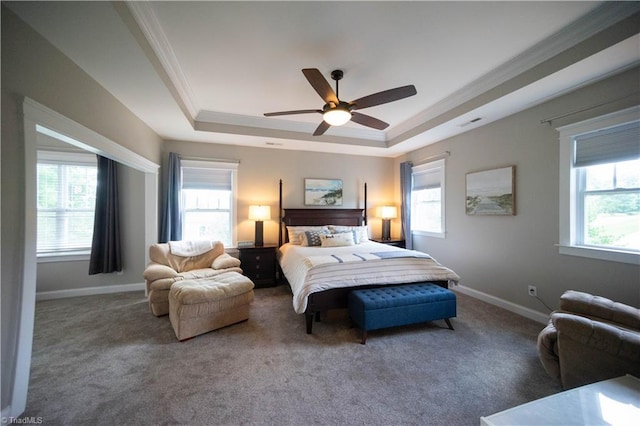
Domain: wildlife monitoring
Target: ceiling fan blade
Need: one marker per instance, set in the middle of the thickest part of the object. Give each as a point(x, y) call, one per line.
point(323, 127)
point(300, 111)
point(320, 84)
point(367, 120)
point(384, 97)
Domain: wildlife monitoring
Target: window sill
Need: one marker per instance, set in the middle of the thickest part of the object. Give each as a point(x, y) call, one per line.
point(602, 254)
point(72, 256)
point(429, 234)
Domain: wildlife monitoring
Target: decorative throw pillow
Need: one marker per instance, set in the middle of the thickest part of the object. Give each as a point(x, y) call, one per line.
point(354, 234)
point(337, 240)
point(311, 238)
point(295, 232)
point(361, 232)
point(225, 261)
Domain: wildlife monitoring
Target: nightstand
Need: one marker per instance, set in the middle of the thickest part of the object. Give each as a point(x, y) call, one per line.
point(259, 264)
point(396, 242)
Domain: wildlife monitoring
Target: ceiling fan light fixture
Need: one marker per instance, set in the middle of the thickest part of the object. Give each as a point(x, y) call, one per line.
point(336, 116)
point(336, 112)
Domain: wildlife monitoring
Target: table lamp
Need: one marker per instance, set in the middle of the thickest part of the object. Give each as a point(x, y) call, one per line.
point(259, 214)
point(387, 213)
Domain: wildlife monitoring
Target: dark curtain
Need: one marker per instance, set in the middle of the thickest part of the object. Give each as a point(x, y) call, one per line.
point(171, 223)
point(405, 208)
point(105, 248)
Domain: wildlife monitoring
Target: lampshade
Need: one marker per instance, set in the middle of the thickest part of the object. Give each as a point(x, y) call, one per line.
point(388, 212)
point(259, 213)
point(336, 116)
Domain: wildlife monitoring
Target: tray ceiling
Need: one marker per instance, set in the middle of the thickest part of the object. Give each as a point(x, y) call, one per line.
point(207, 71)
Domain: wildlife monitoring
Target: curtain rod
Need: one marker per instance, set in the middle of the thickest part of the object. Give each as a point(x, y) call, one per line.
point(433, 157)
point(549, 120)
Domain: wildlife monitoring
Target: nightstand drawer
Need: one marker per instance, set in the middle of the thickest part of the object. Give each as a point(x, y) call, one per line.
point(259, 264)
point(260, 257)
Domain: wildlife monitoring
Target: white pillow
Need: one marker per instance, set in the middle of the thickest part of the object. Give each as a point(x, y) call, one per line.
point(225, 261)
point(295, 232)
point(361, 232)
point(337, 240)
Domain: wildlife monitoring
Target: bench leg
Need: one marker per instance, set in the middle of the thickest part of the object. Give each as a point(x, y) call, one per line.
point(449, 323)
point(364, 337)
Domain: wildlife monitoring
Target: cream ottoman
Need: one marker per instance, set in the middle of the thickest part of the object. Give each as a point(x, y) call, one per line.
point(199, 306)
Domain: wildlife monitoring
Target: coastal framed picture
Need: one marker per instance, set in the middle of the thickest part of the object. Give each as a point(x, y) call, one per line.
point(491, 192)
point(323, 192)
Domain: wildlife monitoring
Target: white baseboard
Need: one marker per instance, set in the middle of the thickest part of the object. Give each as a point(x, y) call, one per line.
point(6, 413)
point(89, 291)
point(496, 301)
point(509, 306)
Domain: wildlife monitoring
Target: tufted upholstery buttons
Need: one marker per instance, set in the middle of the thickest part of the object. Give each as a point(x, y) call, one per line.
point(386, 297)
point(382, 307)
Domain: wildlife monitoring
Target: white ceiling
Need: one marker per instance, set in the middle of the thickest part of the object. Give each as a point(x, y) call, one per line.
point(207, 71)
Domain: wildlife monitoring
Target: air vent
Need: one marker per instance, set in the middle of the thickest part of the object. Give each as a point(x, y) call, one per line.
point(475, 120)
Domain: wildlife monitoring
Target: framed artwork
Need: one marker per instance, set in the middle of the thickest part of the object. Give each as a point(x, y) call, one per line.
point(323, 192)
point(491, 192)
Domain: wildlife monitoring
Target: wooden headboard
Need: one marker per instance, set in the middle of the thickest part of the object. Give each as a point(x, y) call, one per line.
point(319, 217)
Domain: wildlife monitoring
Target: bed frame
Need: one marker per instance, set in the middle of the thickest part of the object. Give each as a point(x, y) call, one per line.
point(335, 298)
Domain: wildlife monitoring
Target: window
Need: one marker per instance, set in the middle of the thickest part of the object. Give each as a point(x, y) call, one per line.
point(609, 200)
point(427, 199)
point(600, 188)
point(208, 201)
point(66, 196)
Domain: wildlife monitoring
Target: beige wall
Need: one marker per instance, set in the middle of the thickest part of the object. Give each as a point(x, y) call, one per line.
point(55, 276)
point(501, 256)
point(261, 169)
point(31, 67)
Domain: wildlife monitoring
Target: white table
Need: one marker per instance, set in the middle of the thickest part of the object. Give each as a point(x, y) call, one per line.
point(610, 402)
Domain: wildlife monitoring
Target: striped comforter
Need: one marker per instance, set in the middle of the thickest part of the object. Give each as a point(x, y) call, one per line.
point(314, 269)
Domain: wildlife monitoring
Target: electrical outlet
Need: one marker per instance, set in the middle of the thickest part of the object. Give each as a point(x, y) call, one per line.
point(533, 290)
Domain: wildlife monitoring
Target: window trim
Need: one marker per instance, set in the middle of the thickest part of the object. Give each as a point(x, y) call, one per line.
point(567, 188)
point(421, 168)
point(68, 256)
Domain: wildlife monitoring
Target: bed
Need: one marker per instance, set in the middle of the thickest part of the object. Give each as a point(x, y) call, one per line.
point(321, 278)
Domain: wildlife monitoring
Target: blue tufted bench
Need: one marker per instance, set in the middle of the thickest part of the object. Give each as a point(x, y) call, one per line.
point(382, 307)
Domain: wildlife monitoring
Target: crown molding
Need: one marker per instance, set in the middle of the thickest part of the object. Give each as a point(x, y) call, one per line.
point(150, 26)
point(592, 23)
point(599, 19)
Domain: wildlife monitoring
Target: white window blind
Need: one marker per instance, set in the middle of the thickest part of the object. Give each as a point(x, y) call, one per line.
point(428, 179)
point(206, 178)
point(615, 144)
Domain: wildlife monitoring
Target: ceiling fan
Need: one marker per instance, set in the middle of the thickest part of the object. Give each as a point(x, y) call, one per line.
point(336, 112)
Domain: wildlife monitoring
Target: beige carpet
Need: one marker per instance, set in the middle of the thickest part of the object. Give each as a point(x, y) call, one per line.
point(106, 360)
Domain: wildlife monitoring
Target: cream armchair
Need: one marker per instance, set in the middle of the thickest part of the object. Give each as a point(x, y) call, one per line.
point(166, 267)
point(589, 339)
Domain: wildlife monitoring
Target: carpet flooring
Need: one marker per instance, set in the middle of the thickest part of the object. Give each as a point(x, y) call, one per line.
point(106, 360)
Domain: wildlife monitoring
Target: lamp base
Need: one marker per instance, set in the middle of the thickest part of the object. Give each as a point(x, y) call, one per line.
point(386, 229)
point(258, 242)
